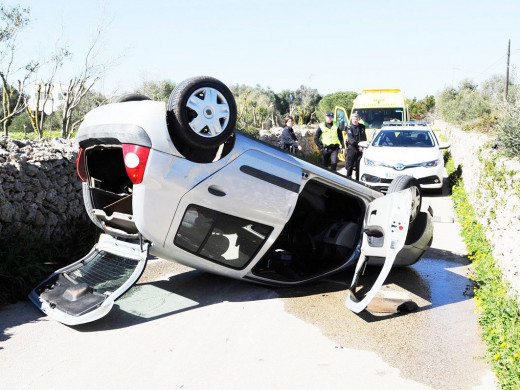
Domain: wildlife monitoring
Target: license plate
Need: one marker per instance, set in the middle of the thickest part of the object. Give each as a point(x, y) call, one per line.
point(390, 175)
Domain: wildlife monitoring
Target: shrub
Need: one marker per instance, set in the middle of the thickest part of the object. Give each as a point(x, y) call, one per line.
point(508, 128)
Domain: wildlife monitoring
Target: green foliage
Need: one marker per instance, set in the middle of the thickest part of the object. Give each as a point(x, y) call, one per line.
point(256, 107)
point(483, 124)
point(262, 108)
point(464, 104)
point(342, 99)
point(485, 110)
point(21, 122)
point(301, 104)
point(508, 128)
point(156, 90)
point(420, 108)
point(498, 308)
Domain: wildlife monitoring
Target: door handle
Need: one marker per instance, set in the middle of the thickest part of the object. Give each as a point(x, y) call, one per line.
point(216, 190)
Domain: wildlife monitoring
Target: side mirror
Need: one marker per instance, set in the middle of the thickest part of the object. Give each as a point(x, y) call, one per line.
point(444, 145)
point(363, 144)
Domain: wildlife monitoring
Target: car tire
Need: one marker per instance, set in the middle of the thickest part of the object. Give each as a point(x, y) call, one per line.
point(201, 113)
point(132, 97)
point(403, 182)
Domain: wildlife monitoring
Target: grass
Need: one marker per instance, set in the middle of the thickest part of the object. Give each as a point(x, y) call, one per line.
point(496, 304)
point(31, 135)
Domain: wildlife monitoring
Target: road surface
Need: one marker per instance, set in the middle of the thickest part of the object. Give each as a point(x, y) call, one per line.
point(184, 329)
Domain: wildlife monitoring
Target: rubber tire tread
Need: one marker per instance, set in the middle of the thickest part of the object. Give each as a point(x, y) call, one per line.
point(182, 131)
point(132, 97)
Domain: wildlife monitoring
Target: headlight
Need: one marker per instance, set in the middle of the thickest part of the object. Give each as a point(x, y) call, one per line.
point(433, 163)
point(370, 163)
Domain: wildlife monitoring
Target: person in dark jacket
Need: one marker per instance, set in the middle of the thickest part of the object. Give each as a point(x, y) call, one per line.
point(329, 138)
point(289, 140)
point(355, 134)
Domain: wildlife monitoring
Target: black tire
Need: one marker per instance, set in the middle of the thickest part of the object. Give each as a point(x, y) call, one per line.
point(132, 97)
point(403, 182)
point(198, 123)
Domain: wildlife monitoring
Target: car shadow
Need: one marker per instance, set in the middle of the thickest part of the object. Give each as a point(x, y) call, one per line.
point(434, 281)
point(431, 282)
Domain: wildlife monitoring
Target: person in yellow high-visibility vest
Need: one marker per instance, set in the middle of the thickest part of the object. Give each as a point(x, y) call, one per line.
point(329, 139)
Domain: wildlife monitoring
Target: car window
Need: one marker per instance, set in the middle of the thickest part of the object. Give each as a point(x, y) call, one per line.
point(408, 138)
point(220, 237)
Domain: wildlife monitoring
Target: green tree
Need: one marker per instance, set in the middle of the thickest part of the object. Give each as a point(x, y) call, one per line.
point(303, 104)
point(420, 108)
point(12, 21)
point(342, 99)
point(90, 100)
point(256, 107)
point(464, 104)
point(156, 90)
point(508, 128)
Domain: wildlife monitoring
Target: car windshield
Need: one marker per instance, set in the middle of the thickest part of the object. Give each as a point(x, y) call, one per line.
point(404, 138)
point(374, 117)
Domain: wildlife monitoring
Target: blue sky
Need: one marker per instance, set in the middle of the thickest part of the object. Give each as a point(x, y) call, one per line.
point(328, 45)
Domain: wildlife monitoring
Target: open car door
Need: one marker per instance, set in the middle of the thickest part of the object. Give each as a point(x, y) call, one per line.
point(386, 227)
point(86, 290)
point(340, 115)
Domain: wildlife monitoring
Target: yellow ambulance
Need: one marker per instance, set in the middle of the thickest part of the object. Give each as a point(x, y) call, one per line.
point(375, 106)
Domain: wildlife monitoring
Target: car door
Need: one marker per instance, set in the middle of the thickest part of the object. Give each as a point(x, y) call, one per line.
point(86, 290)
point(340, 115)
point(384, 235)
point(256, 190)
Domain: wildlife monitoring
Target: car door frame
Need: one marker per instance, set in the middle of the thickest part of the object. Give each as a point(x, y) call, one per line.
point(386, 225)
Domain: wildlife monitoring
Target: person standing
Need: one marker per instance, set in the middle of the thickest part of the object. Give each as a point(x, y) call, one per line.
point(289, 140)
point(329, 139)
point(355, 134)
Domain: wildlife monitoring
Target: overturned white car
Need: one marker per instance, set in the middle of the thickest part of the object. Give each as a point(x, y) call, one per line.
point(177, 181)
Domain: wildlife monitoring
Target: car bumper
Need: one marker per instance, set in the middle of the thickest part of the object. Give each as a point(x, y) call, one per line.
point(380, 177)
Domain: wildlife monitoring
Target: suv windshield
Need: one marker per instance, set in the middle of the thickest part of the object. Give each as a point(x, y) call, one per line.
point(404, 138)
point(374, 117)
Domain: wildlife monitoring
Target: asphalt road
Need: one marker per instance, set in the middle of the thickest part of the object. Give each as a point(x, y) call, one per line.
point(184, 329)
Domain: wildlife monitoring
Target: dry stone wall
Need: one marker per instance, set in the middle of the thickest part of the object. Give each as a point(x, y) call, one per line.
point(493, 187)
point(304, 134)
point(40, 193)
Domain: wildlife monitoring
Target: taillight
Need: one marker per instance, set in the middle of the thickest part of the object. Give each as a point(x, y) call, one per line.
point(135, 158)
point(81, 170)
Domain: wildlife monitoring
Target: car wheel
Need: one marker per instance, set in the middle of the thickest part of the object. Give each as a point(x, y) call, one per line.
point(201, 113)
point(403, 182)
point(132, 97)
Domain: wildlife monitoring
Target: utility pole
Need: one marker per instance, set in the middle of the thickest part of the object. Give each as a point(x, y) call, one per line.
point(507, 69)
